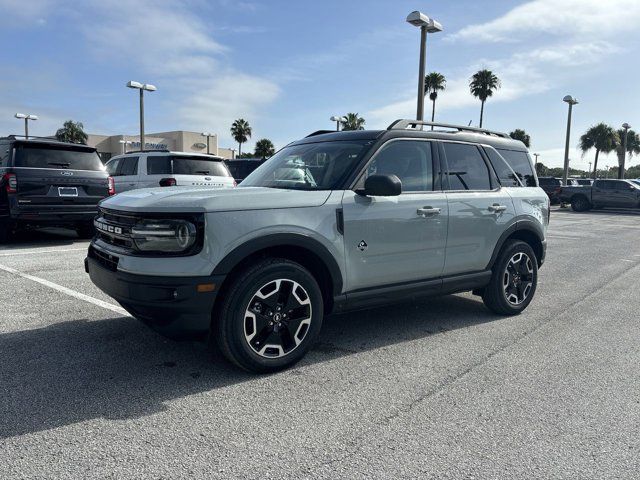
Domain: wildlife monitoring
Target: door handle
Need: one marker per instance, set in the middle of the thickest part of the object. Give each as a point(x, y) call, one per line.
point(496, 208)
point(428, 211)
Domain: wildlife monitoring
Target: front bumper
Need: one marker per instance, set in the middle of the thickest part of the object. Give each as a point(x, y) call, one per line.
point(171, 305)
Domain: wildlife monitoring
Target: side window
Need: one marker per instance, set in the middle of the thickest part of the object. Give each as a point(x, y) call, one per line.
point(129, 166)
point(605, 184)
point(112, 167)
point(521, 164)
point(158, 165)
point(467, 169)
point(507, 176)
point(411, 161)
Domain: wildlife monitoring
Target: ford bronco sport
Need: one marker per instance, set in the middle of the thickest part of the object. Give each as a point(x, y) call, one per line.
point(332, 222)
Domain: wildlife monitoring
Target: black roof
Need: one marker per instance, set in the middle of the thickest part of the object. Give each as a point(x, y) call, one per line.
point(44, 141)
point(440, 132)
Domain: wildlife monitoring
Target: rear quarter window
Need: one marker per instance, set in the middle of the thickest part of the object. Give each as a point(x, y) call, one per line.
point(520, 162)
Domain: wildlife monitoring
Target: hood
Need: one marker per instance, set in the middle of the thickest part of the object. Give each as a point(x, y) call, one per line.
point(198, 199)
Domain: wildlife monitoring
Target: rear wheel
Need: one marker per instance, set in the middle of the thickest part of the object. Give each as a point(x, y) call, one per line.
point(580, 204)
point(6, 231)
point(270, 317)
point(513, 280)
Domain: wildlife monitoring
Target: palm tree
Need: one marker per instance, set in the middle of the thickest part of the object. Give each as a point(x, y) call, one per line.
point(241, 132)
point(353, 122)
point(433, 83)
point(264, 148)
point(633, 146)
point(72, 132)
point(482, 85)
point(519, 134)
point(602, 137)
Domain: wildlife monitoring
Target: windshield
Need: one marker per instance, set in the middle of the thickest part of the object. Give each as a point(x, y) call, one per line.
point(53, 156)
point(312, 166)
point(183, 165)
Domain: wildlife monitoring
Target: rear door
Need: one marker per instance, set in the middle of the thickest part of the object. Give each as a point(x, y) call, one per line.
point(399, 239)
point(126, 177)
point(480, 209)
point(58, 176)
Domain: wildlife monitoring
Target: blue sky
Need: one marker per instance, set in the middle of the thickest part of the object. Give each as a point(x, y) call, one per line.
point(287, 66)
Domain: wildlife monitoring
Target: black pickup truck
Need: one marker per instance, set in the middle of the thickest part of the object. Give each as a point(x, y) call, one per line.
point(602, 194)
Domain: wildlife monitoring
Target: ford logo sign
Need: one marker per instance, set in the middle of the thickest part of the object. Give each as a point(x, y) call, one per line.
point(66, 173)
point(207, 178)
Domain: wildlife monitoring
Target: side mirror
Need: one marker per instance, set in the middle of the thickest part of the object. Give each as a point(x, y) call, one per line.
point(382, 186)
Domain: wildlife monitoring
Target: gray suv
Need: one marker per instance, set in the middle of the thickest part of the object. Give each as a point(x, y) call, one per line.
point(332, 222)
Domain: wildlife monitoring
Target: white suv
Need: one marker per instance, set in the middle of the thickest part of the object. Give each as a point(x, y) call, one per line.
point(167, 169)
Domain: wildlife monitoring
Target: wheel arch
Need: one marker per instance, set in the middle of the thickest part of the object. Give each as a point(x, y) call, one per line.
point(526, 230)
point(306, 251)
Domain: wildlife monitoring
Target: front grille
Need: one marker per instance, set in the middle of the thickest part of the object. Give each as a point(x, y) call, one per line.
point(115, 229)
point(107, 260)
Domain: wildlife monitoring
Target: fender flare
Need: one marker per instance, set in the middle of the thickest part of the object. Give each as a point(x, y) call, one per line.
point(520, 225)
point(238, 254)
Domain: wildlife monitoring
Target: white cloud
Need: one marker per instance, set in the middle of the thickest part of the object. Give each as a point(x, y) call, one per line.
point(174, 49)
point(557, 17)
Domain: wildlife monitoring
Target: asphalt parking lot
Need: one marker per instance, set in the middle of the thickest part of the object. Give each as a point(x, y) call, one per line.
point(439, 389)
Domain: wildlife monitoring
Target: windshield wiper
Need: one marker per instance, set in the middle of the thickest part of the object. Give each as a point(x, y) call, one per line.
point(59, 164)
point(204, 172)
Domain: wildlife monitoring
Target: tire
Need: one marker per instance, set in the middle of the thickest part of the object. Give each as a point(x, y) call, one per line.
point(514, 279)
point(274, 290)
point(580, 204)
point(6, 231)
point(86, 230)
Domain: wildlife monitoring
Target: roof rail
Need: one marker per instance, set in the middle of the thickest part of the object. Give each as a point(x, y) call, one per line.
point(320, 132)
point(15, 136)
point(413, 124)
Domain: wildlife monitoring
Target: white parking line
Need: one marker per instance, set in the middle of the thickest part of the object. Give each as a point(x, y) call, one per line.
point(67, 291)
point(31, 252)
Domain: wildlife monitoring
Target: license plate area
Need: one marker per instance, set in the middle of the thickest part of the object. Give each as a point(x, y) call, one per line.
point(67, 191)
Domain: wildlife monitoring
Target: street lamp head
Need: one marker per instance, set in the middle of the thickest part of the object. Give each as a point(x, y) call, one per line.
point(419, 19)
point(570, 100)
point(206, 134)
point(132, 84)
point(32, 117)
point(626, 126)
point(20, 115)
point(149, 87)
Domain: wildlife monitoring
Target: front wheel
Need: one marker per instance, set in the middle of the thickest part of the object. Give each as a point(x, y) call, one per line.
point(514, 279)
point(580, 204)
point(270, 317)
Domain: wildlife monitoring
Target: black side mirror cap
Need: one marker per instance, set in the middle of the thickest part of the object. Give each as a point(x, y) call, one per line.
point(381, 186)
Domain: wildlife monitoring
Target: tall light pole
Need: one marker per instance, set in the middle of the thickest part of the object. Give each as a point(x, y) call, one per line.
point(26, 117)
point(338, 119)
point(626, 128)
point(571, 101)
point(427, 25)
point(208, 135)
point(142, 87)
point(536, 163)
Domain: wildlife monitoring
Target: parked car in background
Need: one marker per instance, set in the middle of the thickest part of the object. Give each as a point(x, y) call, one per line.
point(584, 181)
point(156, 168)
point(551, 187)
point(332, 222)
point(602, 194)
point(44, 182)
point(241, 168)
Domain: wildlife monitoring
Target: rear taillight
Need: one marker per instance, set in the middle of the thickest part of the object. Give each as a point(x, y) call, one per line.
point(11, 182)
point(235, 184)
point(168, 182)
point(112, 186)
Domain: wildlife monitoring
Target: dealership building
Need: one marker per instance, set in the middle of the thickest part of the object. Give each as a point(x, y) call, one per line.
point(177, 141)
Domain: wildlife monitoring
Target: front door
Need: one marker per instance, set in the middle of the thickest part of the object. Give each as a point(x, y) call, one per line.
point(479, 209)
point(400, 239)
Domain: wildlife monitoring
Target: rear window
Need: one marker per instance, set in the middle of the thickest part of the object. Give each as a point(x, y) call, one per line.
point(520, 162)
point(52, 156)
point(467, 169)
point(181, 165)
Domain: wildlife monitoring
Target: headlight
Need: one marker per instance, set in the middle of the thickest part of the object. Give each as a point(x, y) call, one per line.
point(164, 235)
